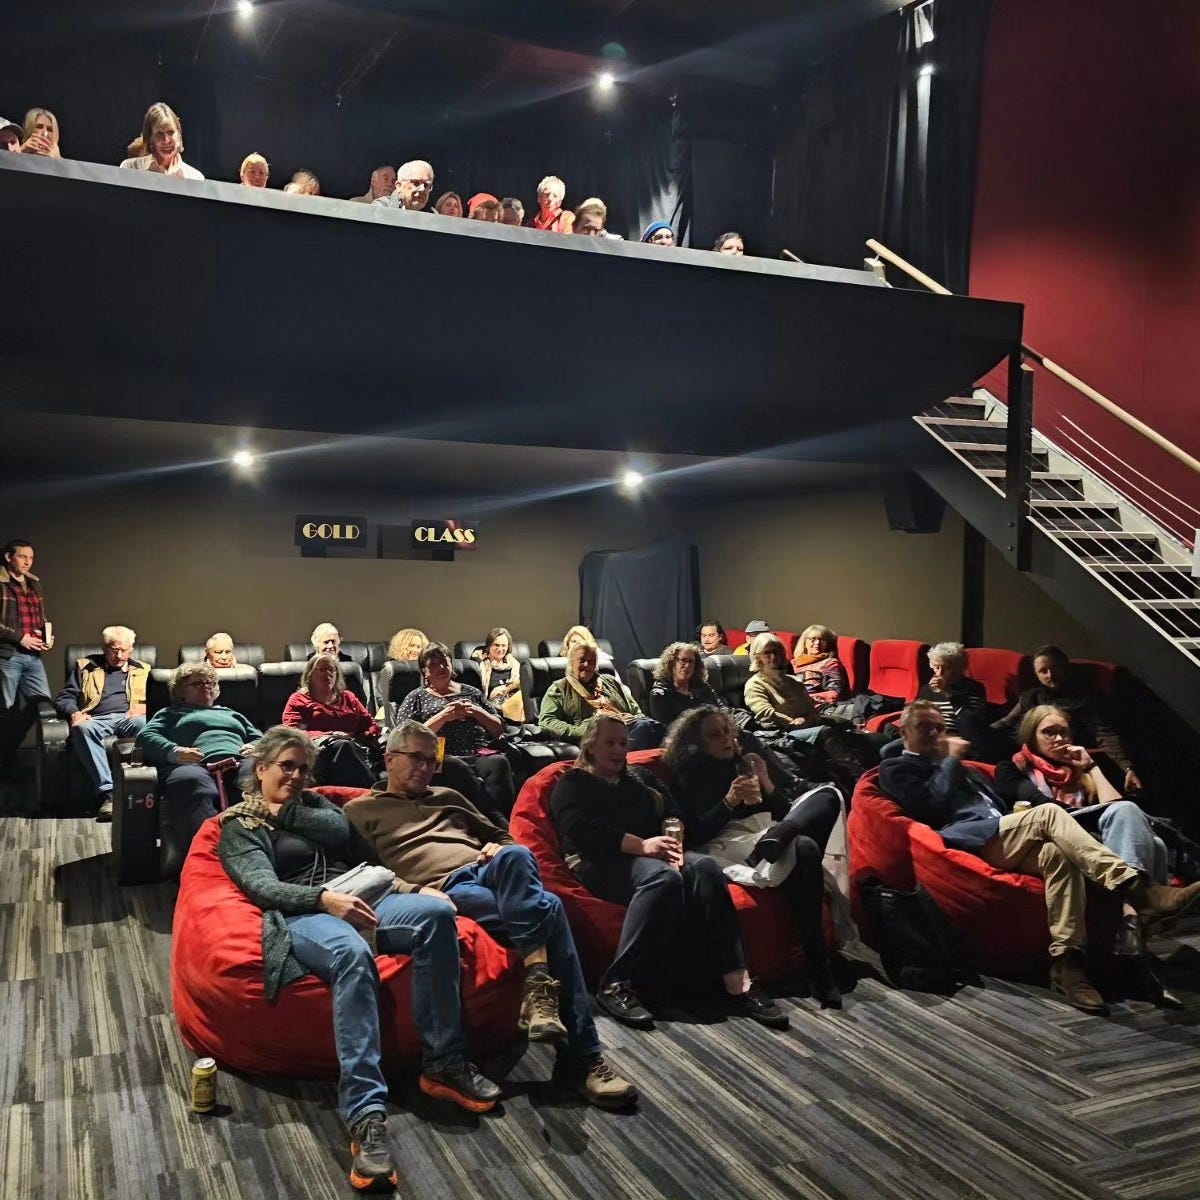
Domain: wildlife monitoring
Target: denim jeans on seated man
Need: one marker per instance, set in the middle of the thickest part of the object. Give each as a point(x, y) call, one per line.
point(88, 738)
point(421, 926)
point(506, 897)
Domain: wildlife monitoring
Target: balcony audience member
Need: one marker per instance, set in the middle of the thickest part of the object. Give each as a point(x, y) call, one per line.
point(414, 186)
point(459, 714)
point(406, 645)
point(680, 934)
point(815, 663)
point(591, 219)
point(1050, 769)
point(712, 638)
point(41, 133)
point(512, 211)
point(325, 639)
point(734, 809)
point(11, 136)
point(576, 633)
point(303, 183)
point(197, 746)
point(281, 845)
point(570, 702)
point(162, 145)
point(104, 696)
point(753, 629)
point(337, 721)
point(961, 701)
point(219, 653)
point(659, 233)
point(438, 845)
point(501, 675)
point(551, 216)
point(680, 683)
point(730, 243)
point(930, 782)
point(483, 206)
point(1091, 716)
point(25, 635)
point(449, 204)
point(255, 171)
point(383, 183)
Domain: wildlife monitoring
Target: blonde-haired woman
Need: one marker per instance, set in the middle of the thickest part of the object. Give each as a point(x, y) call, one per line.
point(576, 633)
point(162, 145)
point(41, 133)
point(255, 171)
point(338, 722)
point(197, 746)
point(815, 663)
point(406, 645)
point(571, 702)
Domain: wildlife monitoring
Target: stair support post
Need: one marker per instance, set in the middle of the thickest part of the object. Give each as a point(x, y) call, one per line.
point(1018, 462)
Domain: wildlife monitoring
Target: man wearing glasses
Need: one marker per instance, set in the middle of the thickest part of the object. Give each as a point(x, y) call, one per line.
point(930, 782)
point(414, 186)
point(438, 844)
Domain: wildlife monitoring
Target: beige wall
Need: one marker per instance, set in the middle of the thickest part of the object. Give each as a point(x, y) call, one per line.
point(176, 564)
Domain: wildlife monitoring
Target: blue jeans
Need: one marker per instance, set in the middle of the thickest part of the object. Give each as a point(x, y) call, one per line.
point(22, 675)
point(645, 734)
point(505, 896)
point(334, 950)
point(1126, 832)
point(88, 740)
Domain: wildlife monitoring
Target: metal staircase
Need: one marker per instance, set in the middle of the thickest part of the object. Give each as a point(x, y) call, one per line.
point(1139, 562)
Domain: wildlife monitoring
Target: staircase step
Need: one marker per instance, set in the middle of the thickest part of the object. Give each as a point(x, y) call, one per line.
point(1105, 546)
point(959, 406)
point(1143, 581)
point(993, 456)
point(1187, 643)
point(1167, 604)
point(976, 433)
point(1182, 622)
point(1077, 515)
point(1046, 485)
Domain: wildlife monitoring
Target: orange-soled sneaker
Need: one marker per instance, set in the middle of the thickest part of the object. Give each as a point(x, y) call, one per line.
point(461, 1083)
point(371, 1166)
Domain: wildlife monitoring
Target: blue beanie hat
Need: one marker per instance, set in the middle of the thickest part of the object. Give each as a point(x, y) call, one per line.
point(654, 227)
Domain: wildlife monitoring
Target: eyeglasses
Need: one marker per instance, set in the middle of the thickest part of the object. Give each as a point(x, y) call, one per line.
point(419, 183)
point(292, 768)
point(421, 760)
point(931, 726)
point(1055, 731)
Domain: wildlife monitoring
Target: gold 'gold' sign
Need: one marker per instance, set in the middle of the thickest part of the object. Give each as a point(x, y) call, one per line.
point(321, 530)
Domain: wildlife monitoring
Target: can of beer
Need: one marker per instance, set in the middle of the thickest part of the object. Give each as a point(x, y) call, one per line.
point(204, 1085)
point(673, 827)
point(1022, 805)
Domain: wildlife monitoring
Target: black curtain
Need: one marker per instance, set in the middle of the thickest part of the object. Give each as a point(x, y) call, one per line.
point(641, 600)
point(874, 148)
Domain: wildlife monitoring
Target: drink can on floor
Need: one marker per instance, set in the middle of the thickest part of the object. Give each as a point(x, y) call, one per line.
point(204, 1085)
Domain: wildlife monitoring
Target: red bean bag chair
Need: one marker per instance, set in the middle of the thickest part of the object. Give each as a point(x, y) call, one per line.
point(772, 943)
point(877, 837)
point(217, 983)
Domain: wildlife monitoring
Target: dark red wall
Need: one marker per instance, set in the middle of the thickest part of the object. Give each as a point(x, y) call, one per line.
point(1088, 210)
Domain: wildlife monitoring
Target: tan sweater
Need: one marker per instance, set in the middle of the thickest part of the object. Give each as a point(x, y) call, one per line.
point(774, 698)
point(423, 840)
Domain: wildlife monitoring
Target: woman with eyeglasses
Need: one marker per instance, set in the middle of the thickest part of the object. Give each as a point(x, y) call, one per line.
point(1050, 768)
point(197, 746)
point(344, 732)
point(281, 845)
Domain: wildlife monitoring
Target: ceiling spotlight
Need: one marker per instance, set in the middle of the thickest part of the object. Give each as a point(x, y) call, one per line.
point(243, 459)
point(606, 81)
point(926, 71)
point(632, 480)
point(245, 8)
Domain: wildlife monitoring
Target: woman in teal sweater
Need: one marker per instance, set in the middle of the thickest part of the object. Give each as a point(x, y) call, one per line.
point(197, 746)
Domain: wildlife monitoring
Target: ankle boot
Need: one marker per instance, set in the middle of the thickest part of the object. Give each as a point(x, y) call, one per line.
point(1068, 976)
point(771, 846)
point(819, 975)
point(1160, 904)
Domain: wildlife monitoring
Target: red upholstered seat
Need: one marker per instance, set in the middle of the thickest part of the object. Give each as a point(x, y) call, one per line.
point(899, 668)
point(767, 926)
point(735, 638)
point(855, 656)
point(217, 983)
point(1003, 673)
point(789, 641)
point(1001, 914)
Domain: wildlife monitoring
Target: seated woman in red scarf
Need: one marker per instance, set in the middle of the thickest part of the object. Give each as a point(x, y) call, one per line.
point(1051, 768)
point(815, 663)
point(337, 721)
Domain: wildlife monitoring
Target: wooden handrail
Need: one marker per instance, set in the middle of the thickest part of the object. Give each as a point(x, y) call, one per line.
point(1084, 389)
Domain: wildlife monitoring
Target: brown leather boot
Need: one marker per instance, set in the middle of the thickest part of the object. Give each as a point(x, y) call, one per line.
point(1160, 904)
point(1068, 977)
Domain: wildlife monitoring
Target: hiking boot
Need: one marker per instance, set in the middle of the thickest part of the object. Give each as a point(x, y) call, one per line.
point(621, 1003)
point(594, 1080)
point(1160, 904)
point(1068, 977)
point(758, 1006)
point(104, 813)
point(539, 1020)
point(371, 1166)
point(461, 1083)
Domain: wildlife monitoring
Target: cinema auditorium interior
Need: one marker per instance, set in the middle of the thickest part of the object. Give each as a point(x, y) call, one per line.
point(599, 600)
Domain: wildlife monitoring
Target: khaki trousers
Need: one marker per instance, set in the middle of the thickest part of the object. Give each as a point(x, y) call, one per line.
point(1046, 841)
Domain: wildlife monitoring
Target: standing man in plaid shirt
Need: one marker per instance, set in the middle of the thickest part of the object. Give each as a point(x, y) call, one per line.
point(23, 638)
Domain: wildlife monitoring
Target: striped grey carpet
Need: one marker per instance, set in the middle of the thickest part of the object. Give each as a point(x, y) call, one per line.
point(1000, 1092)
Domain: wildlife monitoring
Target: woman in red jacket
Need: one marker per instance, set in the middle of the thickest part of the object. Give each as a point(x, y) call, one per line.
point(338, 722)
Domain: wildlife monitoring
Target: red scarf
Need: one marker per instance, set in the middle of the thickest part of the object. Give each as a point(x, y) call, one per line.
point(1057, 781)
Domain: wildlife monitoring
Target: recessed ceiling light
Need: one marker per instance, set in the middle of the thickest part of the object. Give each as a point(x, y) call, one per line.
point(632, 479)
point(245, 8)
point(243, 459)
point(605, 81)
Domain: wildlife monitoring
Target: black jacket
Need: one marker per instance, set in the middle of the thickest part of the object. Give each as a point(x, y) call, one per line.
point(947, 796)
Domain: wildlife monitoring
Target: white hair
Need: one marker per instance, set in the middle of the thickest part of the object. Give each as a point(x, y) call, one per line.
point(947, 652)
point(323, 631)
point(404, 169)
point(212, 641)
point(553, 183)
point(117, 633)
point(409, 730)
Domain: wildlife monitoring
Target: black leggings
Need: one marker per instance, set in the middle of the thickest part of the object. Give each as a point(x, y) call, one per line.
point(811, 822)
